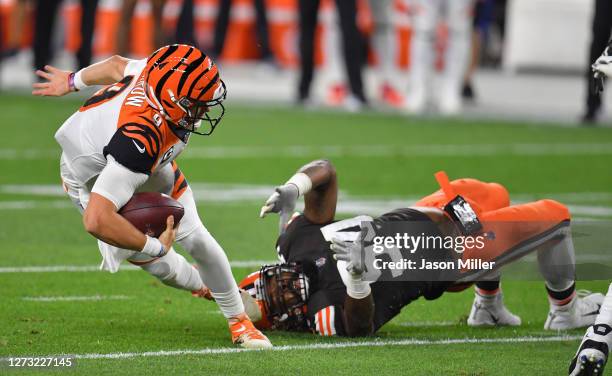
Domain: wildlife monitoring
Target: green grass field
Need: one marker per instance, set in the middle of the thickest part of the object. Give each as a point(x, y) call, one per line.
point(379, 157)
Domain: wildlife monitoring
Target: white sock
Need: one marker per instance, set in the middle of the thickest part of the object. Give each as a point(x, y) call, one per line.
point(174, 270)
point(215, 270)
point(229, 303)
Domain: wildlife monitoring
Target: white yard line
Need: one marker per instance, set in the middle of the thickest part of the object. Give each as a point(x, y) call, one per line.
point(347, 204)
point(419, 324)
point(74, 298)
point(362, 151)
point(96, 268)
point(324, 346)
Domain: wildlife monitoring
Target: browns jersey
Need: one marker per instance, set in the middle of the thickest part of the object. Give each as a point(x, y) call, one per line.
point(303, 242)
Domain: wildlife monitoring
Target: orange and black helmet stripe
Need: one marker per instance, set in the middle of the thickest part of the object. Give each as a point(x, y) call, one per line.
point(162, 81)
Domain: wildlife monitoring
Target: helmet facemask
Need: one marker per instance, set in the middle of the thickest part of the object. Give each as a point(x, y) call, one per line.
point(284, 291)
point(201, 117)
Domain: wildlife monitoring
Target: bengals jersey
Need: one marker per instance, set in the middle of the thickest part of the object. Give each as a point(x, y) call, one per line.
point(119, 121)
point(303, 242)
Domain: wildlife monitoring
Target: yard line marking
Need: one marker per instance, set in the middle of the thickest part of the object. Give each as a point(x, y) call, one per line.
point(233, 193)
point(218, 192)
point(371, 150)
point(418, 324)
point(324, 346)
point(96, 268)
point(74, 298)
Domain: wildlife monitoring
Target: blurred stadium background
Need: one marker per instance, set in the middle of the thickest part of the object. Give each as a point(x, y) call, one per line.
point(523, 129)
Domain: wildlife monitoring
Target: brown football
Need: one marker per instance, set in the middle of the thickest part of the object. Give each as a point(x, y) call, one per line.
point(148, 211)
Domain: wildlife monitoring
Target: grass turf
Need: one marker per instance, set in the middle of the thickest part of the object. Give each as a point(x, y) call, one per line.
point(153, 317)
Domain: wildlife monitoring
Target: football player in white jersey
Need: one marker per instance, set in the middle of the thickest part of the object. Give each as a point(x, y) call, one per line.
point(124, 139)
point(594, 349)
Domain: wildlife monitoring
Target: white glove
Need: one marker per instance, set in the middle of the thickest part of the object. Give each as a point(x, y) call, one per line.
point(603, 64)
point(602, 68)
point(282, 201)
point(351, 253)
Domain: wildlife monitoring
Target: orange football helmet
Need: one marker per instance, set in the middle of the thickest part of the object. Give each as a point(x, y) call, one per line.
point(185, 85)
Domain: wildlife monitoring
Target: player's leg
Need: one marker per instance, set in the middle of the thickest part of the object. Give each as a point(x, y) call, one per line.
point(425, 18)
point(215, 271)
point(544, 226)
point(568, 309)
point(458, 19)
point(308, 12)
point(172, 270)
point(593, 351)
point(352, 47)
point(384, 44)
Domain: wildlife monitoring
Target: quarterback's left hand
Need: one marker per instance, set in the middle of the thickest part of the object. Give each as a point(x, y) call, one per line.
point(351, 253)
point(56, 83)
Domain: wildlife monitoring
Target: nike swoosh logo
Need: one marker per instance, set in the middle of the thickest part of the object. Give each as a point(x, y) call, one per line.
point(495, 319)
point(591, 313)
point(241, 329)
point(140, 149)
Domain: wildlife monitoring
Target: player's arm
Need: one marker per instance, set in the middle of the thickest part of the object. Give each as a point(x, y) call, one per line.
point(317, 182)
point(113, 188)
point(59, 82)
point(359, 303)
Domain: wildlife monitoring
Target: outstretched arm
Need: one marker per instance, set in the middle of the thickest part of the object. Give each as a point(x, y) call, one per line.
point(59, 82)
point(317, 182)
point(359, 303)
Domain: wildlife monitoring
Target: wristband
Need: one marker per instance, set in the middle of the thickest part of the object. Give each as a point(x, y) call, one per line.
point(153, 247)
point(78, 81)
point(356, 288)
point(302, 182)
point(71, 86)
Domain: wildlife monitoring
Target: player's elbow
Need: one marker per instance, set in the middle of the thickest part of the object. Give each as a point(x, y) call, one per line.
point(92, 221)
point(327, 167)
point(118, 64)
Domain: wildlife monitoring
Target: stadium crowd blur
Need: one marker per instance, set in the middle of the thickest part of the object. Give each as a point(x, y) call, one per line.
point(405, 42)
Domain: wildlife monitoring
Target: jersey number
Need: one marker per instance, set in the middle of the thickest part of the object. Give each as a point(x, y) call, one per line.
point(105, 94)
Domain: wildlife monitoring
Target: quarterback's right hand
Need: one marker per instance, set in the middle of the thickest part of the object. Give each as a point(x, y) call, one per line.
point(167, 237)
point(55, 84)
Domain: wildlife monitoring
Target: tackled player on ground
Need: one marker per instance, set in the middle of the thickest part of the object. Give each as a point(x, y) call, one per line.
point(320, 284)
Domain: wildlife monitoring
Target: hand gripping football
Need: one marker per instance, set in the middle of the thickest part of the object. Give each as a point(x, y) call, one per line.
point(148, 211)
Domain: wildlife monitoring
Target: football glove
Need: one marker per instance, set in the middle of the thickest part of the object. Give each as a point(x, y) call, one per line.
point(602, 68)
point(351, 253)
point(282, 201)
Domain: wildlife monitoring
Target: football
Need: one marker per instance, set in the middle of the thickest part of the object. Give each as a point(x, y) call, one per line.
point(148, 211)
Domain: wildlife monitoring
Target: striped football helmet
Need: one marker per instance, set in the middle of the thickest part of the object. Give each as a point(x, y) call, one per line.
point(185, 85)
